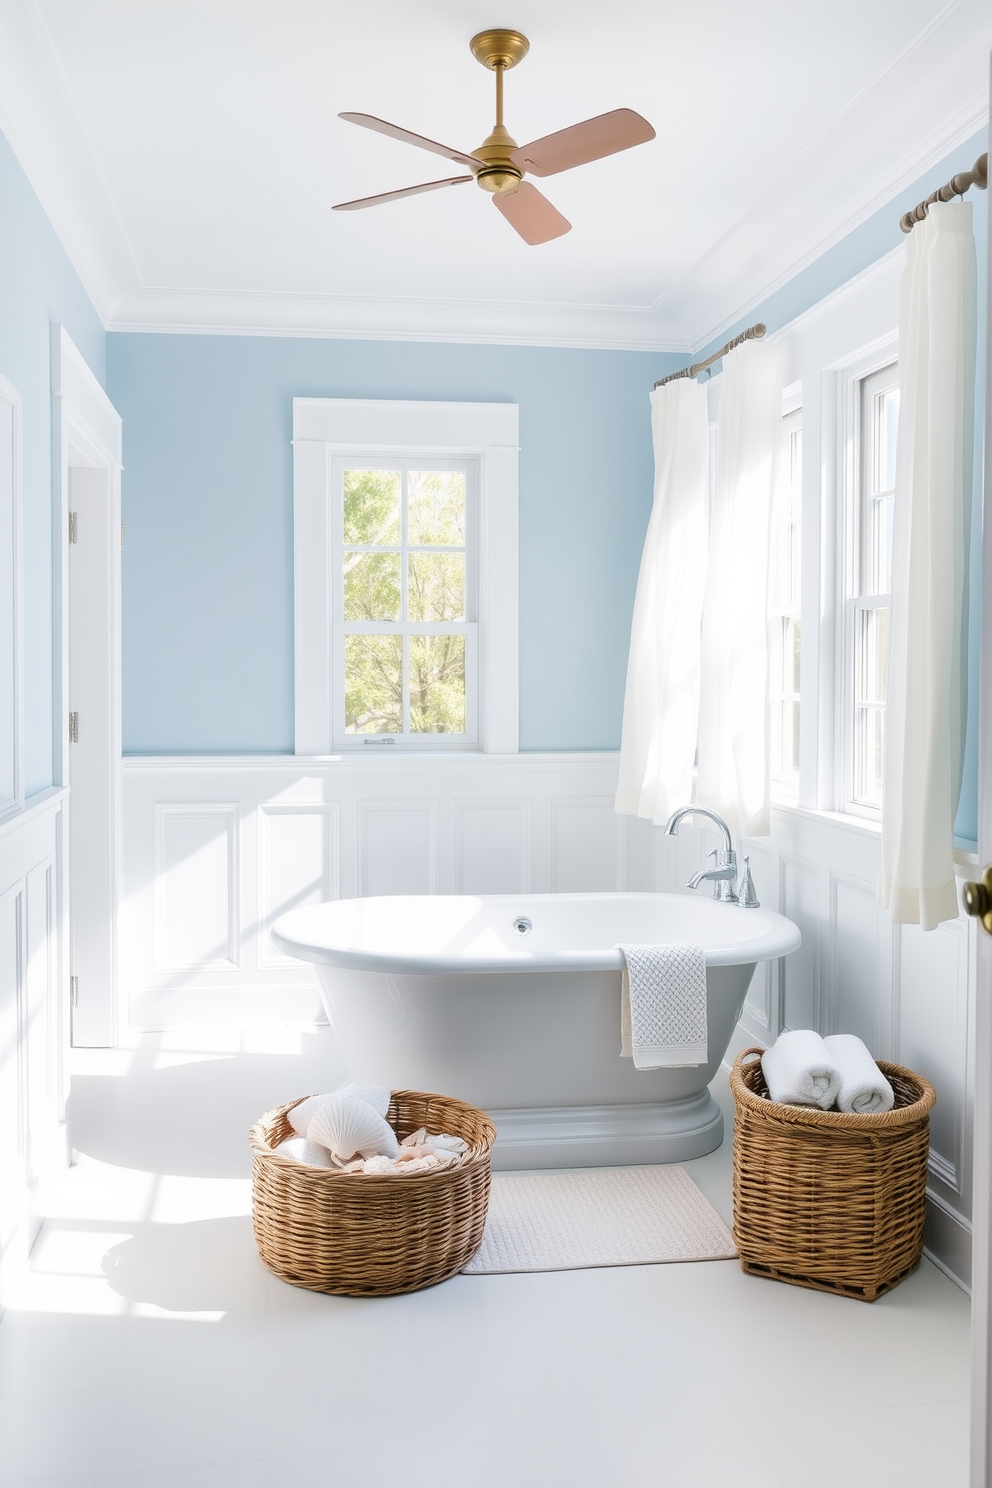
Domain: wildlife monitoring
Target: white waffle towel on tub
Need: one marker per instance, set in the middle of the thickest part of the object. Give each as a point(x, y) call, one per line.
point(663, 1005)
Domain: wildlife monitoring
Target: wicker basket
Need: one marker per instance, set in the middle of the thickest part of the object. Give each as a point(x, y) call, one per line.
point(372, 1235)
point(825, 1199)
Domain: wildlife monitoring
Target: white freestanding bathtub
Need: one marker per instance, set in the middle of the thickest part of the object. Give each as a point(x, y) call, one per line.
point(512, 1002)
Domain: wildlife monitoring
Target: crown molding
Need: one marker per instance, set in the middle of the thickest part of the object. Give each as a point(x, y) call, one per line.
point(592, 328)
point(903, 180)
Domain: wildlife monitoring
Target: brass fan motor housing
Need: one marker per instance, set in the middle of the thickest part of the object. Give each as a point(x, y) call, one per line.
point(499, 48)
point(498, 174)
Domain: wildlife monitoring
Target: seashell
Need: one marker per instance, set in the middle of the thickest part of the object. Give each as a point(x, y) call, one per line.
point(442, 1142)
point(378, 1096)
point(300, 1116)
point(436, 1141)
point(346, 1125)
point(302, 1151)
point(408, 1153)
point(426, 1164)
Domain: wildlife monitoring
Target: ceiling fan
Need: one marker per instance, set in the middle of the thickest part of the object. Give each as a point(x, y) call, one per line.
point(499, 165)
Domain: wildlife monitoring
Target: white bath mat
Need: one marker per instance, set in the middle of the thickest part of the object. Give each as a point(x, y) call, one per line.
point(598, 1217)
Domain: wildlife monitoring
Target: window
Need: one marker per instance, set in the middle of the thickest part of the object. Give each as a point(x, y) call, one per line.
point(785, 596)
point(869, 604)
point(403, 549)
point(405, 575)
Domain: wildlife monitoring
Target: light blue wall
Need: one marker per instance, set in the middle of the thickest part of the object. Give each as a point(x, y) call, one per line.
point(208, 644)
point(208, 505)
point(875, 237)
point(38, 288)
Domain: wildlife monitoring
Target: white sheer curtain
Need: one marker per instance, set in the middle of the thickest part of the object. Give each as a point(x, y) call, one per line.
point(924, 725)
point(734, 775)
point(661, 705)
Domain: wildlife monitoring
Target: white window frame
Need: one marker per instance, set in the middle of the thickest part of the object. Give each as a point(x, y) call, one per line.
point(881, 355)
point(484, 433)
point(828, 350)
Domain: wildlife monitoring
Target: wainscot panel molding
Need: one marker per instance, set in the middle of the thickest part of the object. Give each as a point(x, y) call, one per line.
point(215, 849)
point(33, 1019)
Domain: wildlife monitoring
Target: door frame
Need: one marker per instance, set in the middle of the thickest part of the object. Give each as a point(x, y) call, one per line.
point(87, 431)
point(981, 1264)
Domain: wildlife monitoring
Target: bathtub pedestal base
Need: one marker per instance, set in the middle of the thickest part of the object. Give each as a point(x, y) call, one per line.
point(607, 1136)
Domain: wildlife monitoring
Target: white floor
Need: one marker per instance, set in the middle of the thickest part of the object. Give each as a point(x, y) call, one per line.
point(147, 1347)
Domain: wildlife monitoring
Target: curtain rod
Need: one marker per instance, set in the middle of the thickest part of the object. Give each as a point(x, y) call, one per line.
point(977, 176)
point(753, 333)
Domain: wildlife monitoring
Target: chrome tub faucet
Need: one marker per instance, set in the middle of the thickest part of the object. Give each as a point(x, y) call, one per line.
point(723, 874)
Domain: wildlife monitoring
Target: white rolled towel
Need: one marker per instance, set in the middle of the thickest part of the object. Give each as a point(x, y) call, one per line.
point(863, 1087)
point(800, 1071)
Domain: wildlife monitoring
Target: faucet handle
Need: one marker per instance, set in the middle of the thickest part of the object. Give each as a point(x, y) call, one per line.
point(747, 898)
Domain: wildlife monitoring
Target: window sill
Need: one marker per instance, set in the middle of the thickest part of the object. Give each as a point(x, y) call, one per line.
point(965, 859)
point(845, 819)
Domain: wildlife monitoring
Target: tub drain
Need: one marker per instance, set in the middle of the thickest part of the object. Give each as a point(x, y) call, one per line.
point(522, 925)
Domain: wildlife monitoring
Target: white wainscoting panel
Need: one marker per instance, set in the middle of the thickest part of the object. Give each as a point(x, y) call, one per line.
point(196, 888)
point(298, 854)
point(216, 849)
point(853, 982)
point(586, 846)
point(492, 846)
point(33, 1019)
point(799, 898)
point(39, 1013)
point(933, 1034)
point(398, 847)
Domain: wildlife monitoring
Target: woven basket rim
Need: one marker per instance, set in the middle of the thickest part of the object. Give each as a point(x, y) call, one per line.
point(261, 1147)
point(862, 1121)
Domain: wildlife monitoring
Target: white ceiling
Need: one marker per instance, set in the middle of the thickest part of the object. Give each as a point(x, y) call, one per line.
point(188, 153)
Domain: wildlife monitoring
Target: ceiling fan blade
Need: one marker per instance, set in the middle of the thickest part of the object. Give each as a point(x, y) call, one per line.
point(369, 121)
point(591, 140)
point(384, 196)
point(533, 216)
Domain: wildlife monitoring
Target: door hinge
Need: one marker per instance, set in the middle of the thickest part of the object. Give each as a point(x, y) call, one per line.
point(73, 728)
point(122, 534)
point(72, 527)
point(74, 991)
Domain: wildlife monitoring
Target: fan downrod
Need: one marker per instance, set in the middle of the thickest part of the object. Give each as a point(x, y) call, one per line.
point(499, 48)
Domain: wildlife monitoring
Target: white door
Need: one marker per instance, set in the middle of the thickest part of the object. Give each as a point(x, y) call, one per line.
point(981, 1290)
point(94, 547)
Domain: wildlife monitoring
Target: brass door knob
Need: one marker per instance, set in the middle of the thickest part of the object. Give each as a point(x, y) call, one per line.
point(977, 900)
